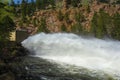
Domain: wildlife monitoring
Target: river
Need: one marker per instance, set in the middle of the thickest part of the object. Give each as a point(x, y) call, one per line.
point(66, 56)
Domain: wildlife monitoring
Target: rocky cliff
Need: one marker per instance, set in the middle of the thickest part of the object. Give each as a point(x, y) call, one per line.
point(57, 18)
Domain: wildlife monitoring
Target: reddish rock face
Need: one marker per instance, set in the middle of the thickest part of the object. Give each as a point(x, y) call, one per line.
point(54, 24)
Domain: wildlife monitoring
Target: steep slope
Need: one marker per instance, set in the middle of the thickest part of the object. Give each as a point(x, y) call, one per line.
point(64, 19)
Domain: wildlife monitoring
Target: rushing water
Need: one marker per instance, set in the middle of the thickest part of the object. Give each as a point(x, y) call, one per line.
point(90, 53)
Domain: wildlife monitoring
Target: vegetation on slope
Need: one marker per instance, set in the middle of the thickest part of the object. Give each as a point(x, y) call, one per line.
point(8, 50)
point(78, 16)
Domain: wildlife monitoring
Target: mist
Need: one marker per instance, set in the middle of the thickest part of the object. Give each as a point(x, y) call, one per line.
point(91, 53)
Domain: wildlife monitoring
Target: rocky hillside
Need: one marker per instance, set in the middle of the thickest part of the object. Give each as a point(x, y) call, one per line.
point(63, 19)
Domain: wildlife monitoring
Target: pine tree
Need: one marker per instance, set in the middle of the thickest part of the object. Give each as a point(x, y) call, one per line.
point(23, 10)
point(94, 24)
point(43, 26)
point(12, 3)
point(32, 5)
point(79, 17)
point(75, 3)
point(107, 22)
point(63, 28)
point(38, 4)
point(77, 28)
point(116, 29)
point(66, 17)
point(52, 2)
point(6, 26)
point(60, 15)
point(104, 1)
point(88, 9)
point(99, 24)
point(118, 2)
point(29, 8)
point(100, 27)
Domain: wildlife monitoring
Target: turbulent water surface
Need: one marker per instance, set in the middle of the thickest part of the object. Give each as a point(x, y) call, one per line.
point(90, 53)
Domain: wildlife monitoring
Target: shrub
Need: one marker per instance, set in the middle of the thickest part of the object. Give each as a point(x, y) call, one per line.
point(63, 28)
point(77, 28)
point(60, 15)
point(79, 17)
point(43, 26)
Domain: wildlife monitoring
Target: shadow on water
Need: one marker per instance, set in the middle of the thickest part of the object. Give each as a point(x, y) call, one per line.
point(35, 68)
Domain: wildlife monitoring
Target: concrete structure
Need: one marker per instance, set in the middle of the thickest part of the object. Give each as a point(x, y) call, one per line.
point(19, 35)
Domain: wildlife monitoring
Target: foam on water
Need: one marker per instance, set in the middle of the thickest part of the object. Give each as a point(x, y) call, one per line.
point(69, 48)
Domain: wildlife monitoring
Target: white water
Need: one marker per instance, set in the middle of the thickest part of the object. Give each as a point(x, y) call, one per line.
point(69, 48)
